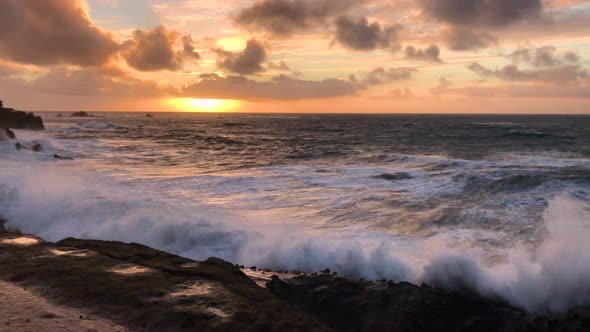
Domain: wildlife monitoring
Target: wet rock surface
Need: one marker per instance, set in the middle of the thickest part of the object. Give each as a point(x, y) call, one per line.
point(353, 305)
point(144, 289)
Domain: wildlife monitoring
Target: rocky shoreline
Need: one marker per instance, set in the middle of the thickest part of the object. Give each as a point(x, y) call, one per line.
point(144, 289)
point(13, 119)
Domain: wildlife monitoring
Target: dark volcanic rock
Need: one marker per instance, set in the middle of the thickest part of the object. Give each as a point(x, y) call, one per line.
point(19, 146)
point(149, 116)
point(9, 118)
point(80, 114)
point(350, 305)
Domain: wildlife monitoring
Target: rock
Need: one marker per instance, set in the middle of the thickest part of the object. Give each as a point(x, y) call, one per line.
point(37, 147)
point(80, 114)
point(6, 135)
point(18, 146)
point(59, 115)
point(393, 177)
point(149, 116)
point(56, 156)
point(10, 118)
point(349, 305)
point(10, 134)
point(150, 301)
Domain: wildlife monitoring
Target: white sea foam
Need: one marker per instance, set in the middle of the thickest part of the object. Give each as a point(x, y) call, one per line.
point(53, 202)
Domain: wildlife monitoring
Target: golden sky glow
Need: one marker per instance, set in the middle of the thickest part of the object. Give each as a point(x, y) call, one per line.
point(526, 56)
point(204, 105)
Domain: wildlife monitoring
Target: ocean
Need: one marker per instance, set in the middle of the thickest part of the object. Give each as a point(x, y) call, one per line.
point(497, 204)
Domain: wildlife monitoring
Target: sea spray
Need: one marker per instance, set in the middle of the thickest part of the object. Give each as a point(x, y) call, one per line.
point(55, 203)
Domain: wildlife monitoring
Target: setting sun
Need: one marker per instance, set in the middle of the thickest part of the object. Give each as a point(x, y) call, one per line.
point(204, 105)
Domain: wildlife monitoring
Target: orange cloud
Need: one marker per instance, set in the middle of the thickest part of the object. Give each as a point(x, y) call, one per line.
point(52, 32)
point(154, 50)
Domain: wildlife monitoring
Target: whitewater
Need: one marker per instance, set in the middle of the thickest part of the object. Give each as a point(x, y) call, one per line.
point(498, 205)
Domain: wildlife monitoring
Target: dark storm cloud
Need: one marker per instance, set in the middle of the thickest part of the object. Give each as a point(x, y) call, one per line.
point(285, 17)
point(430, 53)
point(154, 50)
point(489, 13)
point(45, 32)
point(247, 62)
point(462, 39)
point(358, 34)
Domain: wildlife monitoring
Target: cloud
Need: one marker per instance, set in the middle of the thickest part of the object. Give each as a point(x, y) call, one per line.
point(484, 13)
point(525, 91)
point(431, 53)
point(396, 94)
point(462, 39)
point(188, 48)
point(443, 86)
point(286, 17)
point(52, 32)
point(283, 87)
point(247, 62)
point(562, 74)
point(279, 88)
point(383, 75)
point(358, 34)
point(480, 70)
point(92, 81)
point(154, 50)
point(545, 56)
point(281, 66)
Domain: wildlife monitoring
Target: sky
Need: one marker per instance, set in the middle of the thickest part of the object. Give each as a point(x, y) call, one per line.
point(361, 56)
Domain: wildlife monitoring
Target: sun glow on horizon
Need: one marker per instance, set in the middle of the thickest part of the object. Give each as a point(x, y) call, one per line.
point(204, 105)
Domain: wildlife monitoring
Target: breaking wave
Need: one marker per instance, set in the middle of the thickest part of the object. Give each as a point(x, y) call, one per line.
point(550, 275)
